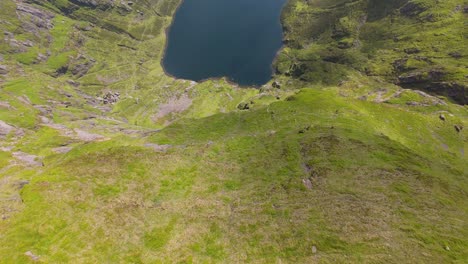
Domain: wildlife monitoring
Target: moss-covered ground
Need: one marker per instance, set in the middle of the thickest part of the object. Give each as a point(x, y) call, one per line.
point(339, 164)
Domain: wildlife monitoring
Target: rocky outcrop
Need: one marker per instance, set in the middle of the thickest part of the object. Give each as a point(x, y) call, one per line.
point(110, 98)
point(455, 91)
point(3, 70)
point(80, 70)
point(5, 129)
point(38, 18)
point(412, 9)
point(101, 4)
point(28, 159)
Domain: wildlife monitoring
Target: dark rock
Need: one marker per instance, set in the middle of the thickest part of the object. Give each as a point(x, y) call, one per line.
point(442, 117)
point(34, 18)
point(436, 75)
point(28, 43)
point(458, 128)
point(412, 9)
point(346, 44)
point(305, 129)
point(99, 4)
point(110, 98)
point(3, 69)
point(296, 70)
point(276, 84)
point(433, 75)
point(412, 50)
point(20, 184)
point(455, 91)
point(80, 70)
point(61, 71)
point(413, 103)
point(455, 54)
point(411, 78)
point(73, 83)
point(243, 106)
point(400, 65)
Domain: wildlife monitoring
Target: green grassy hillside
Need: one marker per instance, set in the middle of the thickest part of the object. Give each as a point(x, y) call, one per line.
point(342, 158)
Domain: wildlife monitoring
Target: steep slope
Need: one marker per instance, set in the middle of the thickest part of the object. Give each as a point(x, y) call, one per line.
point(418, 44)
point(104, 158)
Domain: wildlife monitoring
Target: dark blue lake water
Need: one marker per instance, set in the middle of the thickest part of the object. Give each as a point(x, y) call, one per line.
point(237, 39)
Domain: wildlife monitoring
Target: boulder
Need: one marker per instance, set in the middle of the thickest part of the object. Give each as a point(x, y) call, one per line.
point(412, 50)
point(20, 184)
point(81, 69)
point(28, 159)
point(3, 69)
point(110, 98)
point(455, 54)
point(5, 129)
point(276, 84)
point(412, 9)
point(455, 91)
point(243, 106)
point(100, 4)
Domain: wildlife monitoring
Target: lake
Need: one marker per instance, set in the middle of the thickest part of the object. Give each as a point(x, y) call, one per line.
point(237, 39)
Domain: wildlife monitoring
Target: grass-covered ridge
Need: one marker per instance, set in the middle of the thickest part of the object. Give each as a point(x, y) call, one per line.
point(104, 158)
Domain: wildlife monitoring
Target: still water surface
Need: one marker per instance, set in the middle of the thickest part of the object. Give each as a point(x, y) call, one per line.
point(237, 39)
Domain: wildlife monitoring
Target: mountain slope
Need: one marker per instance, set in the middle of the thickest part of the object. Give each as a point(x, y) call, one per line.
point(104, 158)
point(417, 44)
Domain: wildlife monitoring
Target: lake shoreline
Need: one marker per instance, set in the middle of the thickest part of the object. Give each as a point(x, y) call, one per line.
point(226, 78)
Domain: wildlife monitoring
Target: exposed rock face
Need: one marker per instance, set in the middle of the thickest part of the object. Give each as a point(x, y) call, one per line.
point(62, 150)
point(110, 98)
point(5, 105)
point(5, 128)
point(38, 18)
point(412, 50)
point(276, 84)
point(28, 159)
point(412, 9)
point(455, 91)
point(86, 136)
point(3, 69)
point(243, 106)
point(157, 147)
point(174, 105)
point(81, 69)
point(101, 4)
point(81, 65)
